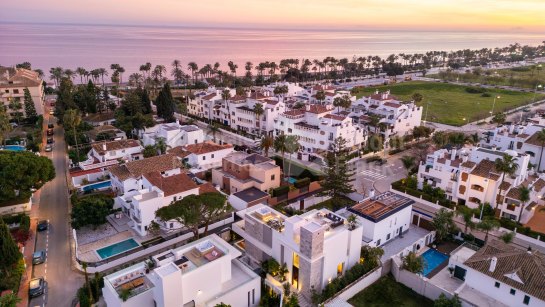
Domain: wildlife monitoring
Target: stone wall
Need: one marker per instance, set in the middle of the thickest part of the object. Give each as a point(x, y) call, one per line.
point(310, 275)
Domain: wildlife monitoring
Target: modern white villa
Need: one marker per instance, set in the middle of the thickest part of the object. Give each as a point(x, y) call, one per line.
point(172, 135)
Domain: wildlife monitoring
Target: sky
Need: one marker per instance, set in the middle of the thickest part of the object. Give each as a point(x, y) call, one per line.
point(500, 15)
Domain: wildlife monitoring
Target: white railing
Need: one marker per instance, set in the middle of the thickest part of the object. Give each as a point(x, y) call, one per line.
point(86, 166)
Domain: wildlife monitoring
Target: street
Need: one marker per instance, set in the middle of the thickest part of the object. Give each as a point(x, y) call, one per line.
point(61, 279)
point(370, 176)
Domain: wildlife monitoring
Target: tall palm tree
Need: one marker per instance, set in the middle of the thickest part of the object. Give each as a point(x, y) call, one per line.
point(177, 72)
point(280, 145)
point(541, 139)
point(292, 146)
point(69, 73)
point(506, 165)
point(524, 197)
point(135, 79)
point(467, 214)
point(194, 68)
point(408, 163)
point(488, 224)
point(266, 143)
point(102, 72)
point(72, 120)
point(258, 111)
point(81, 72)
point(56, 73)
point(213, 129)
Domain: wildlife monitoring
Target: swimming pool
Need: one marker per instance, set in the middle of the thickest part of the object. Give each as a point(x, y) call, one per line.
point(14, 147)
point(291, 180)
point(432, 259)
point(96, 186)
point(117, 248)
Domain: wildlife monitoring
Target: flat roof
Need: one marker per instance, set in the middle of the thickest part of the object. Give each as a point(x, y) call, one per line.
point(381, 206)
point(251, 194)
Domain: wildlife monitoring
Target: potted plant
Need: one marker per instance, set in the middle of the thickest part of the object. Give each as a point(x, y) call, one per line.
point(451, 270)
point(149, 266)
point(124, 294)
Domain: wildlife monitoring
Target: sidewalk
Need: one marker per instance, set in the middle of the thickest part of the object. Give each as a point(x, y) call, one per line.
point(27, 254)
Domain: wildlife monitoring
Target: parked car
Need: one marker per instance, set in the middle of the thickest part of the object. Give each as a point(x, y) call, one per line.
point(14, 125)
point(48, 148)
point(526, 110)
point(49, 131)
point(43, 225)
point(51, 112)
point(36, 287)
point(50, 126)
point(38, 257)
point(49, 140)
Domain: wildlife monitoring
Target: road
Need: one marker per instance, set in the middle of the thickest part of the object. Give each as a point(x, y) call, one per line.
point(370, 176)
point(62, 280)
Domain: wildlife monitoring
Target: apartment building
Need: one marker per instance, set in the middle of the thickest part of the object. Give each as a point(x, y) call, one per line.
point(203, 156)
point(203, 273)
point(317, 128)
point(398, 118)
point(172, 134)
point(384, 217)
point(469, 177)
point(316, 246)
point(13, 82)
point(240, 171)
point(243, 116)
point(501, 273)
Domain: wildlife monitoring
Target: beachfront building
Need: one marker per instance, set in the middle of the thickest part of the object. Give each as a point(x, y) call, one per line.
point(172, 135)
point(316, 246)
point(243, 116)
point(383, 217)
point(499, 274)
point(396, 118)
point(317, 128)
point(13, 82)
point(202, 157)
point(240, 171)
point(207, 104)
point(205, 272)
point(469, 176)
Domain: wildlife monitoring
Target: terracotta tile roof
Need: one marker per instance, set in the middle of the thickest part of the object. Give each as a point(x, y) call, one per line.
point(238, 98)
point(514, 193)
point(317, 109)
point(294, 112)
point(271, 102)
point(539, 185)
point(456, 162)
point(136, 169)
point(323, 88)
point(171, 185)
point(533, 140)
point(523, 136)
point(205, 147)
point(486, 169)
point(209, 96)
point(364, 118)
point(114, 145)
point(207, 188)
point(531, 206)
point(257, 96)
point(335, 117)
point(18, 77)
point(392, 105)
point(99, 117)
point(469, 164)
point(505, 185)
point(330, 94)
point(179, 151)
point(529, 267)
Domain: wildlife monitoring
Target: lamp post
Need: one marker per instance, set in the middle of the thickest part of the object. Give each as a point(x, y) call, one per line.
point(538, 86)
point(426, 116)
point(494, 104)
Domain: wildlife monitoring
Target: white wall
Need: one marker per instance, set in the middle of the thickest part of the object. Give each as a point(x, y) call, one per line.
point(389, 225)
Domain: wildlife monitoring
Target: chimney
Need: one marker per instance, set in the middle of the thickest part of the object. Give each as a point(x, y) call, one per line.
point(453, 154)
point(104, 146)
point(307, 107)
point(493, 263)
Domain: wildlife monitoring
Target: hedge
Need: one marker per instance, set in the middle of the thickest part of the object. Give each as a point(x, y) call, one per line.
point(527, 231)
point(302, 183)
point(280, 191)
point(397, 185)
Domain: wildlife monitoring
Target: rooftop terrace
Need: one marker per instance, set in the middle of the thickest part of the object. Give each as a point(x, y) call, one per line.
point(381, 206)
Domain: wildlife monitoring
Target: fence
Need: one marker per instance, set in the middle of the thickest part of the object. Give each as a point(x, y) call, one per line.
point(357, 286)
point(294, 194)
point(24, 207)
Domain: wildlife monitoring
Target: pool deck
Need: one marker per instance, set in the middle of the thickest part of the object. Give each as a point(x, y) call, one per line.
point(88, 253)
point(398, 244)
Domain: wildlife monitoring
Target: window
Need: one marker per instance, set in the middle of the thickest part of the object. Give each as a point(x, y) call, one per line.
point(388, 237)
point(272, 177)
point(16, 91)
point(378, 242)
point(477, 187)
point(497, 284)
point(174, 198)
point(212, 156)
point(513, 291)
point(203, 158)
point(171, 225)
point(253, 296)
point(526, 300)
point(248, 298)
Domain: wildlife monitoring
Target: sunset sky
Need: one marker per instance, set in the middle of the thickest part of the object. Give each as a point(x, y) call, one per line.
point(502, 15)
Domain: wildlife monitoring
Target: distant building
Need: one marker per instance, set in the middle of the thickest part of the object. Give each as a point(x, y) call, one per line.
point(107, 153)
point(13, 82)
point(205, 272)
point(100, 119)
point(203, 156)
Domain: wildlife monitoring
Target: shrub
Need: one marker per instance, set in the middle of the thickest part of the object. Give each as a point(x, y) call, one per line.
point(302, 183)
point(486, 95)
point(474, 90)
point(280, 191)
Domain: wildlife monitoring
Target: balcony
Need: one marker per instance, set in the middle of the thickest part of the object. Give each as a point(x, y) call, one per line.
point(136, 219)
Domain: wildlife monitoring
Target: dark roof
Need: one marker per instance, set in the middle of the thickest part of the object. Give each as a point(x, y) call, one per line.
point(99, 117)
point(512, 264)
point(251, 194)
point(381, 206)
point(99, 147)
point(256, 159)
point(137, 168)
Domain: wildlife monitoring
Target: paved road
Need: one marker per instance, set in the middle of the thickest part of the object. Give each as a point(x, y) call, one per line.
point(62, 280)
point(369, 176)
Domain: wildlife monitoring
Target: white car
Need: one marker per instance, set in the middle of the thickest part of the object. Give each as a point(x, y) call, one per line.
point(48, 148)
point(52, 112)
point(14, 125)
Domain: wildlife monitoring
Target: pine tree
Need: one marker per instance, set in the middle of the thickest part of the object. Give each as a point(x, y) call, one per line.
point(336, 183)
point(9, 252)
point(30, 109)
point(146, 102)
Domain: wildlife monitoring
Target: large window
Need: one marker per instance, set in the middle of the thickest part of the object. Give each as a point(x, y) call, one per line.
point(477, 187)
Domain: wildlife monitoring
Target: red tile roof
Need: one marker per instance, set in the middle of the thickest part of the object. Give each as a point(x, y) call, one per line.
point(206, 147)
point(486, 169)
point(135, 169)
point(317, 109)
point(209, 96)
point(171, 185)
point(294, 112)
point(335, 117)
point(392, 105)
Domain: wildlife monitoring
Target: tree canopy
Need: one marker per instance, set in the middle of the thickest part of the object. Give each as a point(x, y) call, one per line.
point(30, 109)
point(90, 210)
point(337, 178)
point(165, 104)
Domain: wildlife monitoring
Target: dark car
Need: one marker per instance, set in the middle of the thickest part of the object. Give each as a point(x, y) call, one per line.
point(50, 126)
point(42, 225)
point(36, 287)
point(38, 257)
point(49, 131)
point(49, 140)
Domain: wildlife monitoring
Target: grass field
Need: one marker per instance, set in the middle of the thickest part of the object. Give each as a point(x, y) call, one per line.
point(450, 104)
point(387, 292)
point(524, 77)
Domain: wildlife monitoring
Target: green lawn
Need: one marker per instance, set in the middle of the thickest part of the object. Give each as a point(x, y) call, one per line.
point(524, 77)
point(387, 292)
point(450, 104)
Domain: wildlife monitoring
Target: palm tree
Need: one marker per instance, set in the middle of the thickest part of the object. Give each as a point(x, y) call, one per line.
point(541, 138)
point(408, 163)
point(135, 79)
point(213, 129)
point(56, 74)
point(280, 145)
point(258, 111)
point(467, 214)
point(102, 72)
point(524, 196)
point(72, 120)
point(5, 127)
point(488, 224)
point(177, 72)
point(292, 146)
point(193, 67)
point(266, 143)
point(82, 72)
point(506, 165)
point(87, 285)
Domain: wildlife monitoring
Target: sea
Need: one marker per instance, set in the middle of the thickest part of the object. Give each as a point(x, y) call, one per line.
point(96, 46)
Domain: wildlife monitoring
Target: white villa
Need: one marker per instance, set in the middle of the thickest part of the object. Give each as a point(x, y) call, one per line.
point(172, 134)
point(202, 273)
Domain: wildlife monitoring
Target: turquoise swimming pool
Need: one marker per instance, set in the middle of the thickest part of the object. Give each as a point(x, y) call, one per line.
point(96, 186)
point(14, 148)
point(117, 248)
point(432, 259)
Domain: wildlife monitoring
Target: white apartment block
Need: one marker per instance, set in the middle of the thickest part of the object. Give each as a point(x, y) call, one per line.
point(316, 246)
point(384, 217)
point(499, 274)
point(469, 177)
point(399, 117)
point(202, 273)
point(317, 128)
point(243, 117)
point(172, 134)
point(13, 82)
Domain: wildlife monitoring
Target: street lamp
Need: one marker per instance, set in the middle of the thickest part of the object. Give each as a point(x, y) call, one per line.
point(494, 104)
point(466, 120)
point(426, 116)
point(538, 86)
